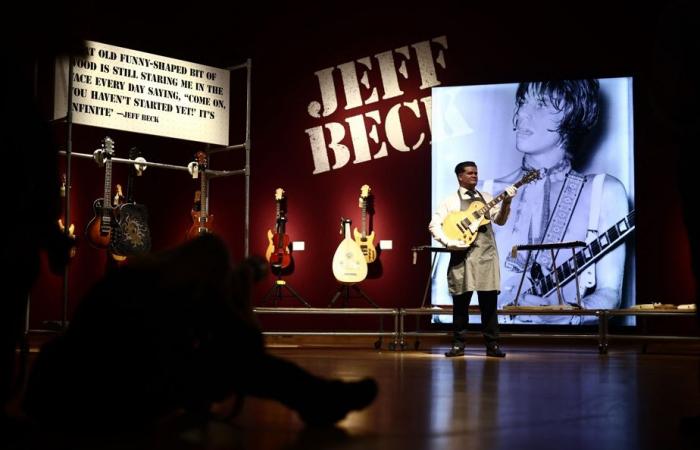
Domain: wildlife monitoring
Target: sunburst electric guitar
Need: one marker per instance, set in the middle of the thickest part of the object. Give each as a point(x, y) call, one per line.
point(201, 218)
point(99, 229)
point(349, 264)
point(278, 253)
point(464, 225)
point(364, 240)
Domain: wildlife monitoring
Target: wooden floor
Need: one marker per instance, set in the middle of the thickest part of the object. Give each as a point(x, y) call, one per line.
point(542, 396)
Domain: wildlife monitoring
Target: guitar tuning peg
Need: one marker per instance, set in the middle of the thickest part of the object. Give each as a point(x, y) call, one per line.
point(193, 169)
point(140, 167)
point(99, 157)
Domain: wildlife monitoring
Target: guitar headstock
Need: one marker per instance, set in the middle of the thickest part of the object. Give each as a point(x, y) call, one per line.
point(107, 147)
point(531, 176)
point(364, 194)
point(201, 158)
point(134, 153)
point(279, 194)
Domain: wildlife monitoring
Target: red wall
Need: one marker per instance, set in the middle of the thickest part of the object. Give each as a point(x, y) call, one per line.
point(286, 51)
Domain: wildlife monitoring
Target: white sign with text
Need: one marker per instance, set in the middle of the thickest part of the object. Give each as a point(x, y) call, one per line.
point(122, 89)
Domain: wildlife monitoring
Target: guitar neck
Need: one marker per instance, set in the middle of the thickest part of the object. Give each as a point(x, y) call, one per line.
point(204, 200)
point(497, 199)
point(583, 258)
point(364, 218)
point(106, 199)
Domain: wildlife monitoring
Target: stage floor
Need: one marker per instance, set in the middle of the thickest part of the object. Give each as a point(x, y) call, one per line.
point(546, 396)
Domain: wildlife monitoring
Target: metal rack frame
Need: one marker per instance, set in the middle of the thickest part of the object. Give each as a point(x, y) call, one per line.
point(69, 154)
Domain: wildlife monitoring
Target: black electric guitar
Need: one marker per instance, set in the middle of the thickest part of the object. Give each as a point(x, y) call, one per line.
point(130, 232)
point(98, 231)
point(543, 285)
point(464, 225)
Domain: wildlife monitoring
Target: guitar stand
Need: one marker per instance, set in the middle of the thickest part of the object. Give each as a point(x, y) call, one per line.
point(276, 292)
point(551, 246)
point(344, 290)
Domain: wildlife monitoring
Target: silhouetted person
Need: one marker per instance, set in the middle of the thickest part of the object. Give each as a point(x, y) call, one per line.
point(174, 331)
point(30, 185)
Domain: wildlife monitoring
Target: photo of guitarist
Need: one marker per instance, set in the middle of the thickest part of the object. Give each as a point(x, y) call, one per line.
point(550, 121)
point(476, 268)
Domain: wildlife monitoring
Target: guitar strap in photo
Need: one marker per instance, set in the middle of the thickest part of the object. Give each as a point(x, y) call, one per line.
point(587, 277)
point(561, 216)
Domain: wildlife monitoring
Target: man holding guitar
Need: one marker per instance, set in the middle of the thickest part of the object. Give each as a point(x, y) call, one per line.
point(474, 262)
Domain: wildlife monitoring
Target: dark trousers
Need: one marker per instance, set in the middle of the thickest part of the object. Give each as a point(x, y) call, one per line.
point(489, 318)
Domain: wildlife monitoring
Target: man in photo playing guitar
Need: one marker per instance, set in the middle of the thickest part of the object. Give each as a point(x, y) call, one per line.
point(475, 267)
point(550, 121)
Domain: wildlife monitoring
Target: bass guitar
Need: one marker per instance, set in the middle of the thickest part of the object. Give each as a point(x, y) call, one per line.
point(349, 264)
point(278, 253)
point(464, 225)
point(364, 240)
point(98, 231)
point(200, 216)
point(130, 233)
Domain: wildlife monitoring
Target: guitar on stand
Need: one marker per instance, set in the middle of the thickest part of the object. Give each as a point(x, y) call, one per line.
point(365, 241)
point(278, 249)
point(349, 266)
point(201, 217)
point(130, 233)
point(99, 230)
point(278, 254)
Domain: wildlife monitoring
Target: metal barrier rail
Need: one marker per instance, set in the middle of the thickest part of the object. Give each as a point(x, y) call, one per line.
point(339, 311)
point(603, 336)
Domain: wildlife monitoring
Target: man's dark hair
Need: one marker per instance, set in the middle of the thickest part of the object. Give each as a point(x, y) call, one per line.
point(460, 167)
point(578, 99)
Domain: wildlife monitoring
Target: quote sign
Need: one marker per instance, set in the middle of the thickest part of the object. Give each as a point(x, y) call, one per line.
point(122, 89)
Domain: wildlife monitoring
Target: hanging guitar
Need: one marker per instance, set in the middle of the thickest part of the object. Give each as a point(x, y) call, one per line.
point(71, 228)
point(364, 240)
point(278, 253)
point(349, 264)
point(130, 232)
point(98, 231)
point(200, 216)
point(464, 225)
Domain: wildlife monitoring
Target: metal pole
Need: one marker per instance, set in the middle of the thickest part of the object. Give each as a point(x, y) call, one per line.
point(246, 228)
point(69, 152)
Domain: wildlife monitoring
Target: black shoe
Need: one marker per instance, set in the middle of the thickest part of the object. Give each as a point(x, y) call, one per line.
point(495, 351)
point(456, 350)
point(337, 400)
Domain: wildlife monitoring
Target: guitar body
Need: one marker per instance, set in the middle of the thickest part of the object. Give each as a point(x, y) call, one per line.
point(202, 224)
point(366, 245)
point(280, 257)
point(349, 264)
point(131, 234)
point(97, 232)
point(464, 225)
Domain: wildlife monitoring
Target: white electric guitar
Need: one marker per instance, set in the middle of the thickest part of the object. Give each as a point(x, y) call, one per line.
point(349, 264)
